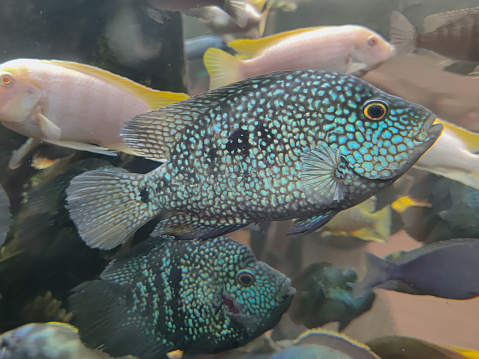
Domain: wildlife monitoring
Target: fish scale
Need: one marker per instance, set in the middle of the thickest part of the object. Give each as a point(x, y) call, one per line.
point(172, 294)
point(279, 146)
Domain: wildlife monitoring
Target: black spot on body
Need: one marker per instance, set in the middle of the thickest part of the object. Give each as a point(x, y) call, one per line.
point(238, 142)
point(145, 195)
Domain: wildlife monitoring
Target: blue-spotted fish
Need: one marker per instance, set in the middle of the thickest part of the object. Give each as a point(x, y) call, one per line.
point(301, 144)
point(196, 296)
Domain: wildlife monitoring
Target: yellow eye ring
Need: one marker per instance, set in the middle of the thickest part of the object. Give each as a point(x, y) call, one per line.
point(6, 79)
point(375, 110)
point(245, 277)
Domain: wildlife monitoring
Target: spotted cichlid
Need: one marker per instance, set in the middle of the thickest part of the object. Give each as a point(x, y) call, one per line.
point(196, 296)
point(301, 144)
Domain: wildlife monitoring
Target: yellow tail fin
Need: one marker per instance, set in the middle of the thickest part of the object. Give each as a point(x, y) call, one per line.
point(222, 67)
point(469, 138)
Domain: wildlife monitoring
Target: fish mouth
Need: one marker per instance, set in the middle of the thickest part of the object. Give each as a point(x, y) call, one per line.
point(287, 290)
point(429, 130)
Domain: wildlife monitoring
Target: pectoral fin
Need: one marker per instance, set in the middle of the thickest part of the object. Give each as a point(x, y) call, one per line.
point(18, 156)
point(49, 130)
point(82, 146)
point(305, 226)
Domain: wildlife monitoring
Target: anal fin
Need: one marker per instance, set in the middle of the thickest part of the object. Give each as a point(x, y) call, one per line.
point(19, 155)
point(185, 226)
point(305, 226)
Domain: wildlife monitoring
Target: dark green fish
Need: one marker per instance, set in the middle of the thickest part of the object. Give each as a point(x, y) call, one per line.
point(295, 144)
point(196, 296)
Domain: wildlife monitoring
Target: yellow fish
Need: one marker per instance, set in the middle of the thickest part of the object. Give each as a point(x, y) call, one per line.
point(453, 155)
point(348, 49)
point(361, 221)
point(71, 105)
point(403, 203)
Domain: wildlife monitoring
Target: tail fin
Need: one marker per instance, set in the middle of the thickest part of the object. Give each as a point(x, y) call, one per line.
point(403, 34)
point(108, 205)
point(237, 10)
point(100, 312)
point(378, 271)
point(382, 223)
point(222, 67)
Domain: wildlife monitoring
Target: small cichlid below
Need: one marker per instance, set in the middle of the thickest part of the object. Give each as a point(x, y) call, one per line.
point(296, 144)
point(446, 269)
point(196, 296)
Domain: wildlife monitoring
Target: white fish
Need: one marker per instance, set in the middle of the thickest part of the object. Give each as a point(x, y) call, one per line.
point(71, 105)
point(348, 49)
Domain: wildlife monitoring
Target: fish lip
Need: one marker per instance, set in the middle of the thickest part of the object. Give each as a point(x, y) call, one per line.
point(286, 288)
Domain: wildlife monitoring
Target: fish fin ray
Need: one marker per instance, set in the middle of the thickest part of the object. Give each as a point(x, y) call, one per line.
point(303, 226)
point(403, 34)
point(83, 146)
point(222, 67)
point(318, 174)
point(19, 155)
point(99, 311)
point(253, 47)
point(377, 271)
point(185, 226)
point(106, 207)
point(237, 10)
point(154, 99)
point(435, 21)
point(48, 128)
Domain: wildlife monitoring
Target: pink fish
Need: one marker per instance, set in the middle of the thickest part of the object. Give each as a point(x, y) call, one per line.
point(71, 105)
point(348, 49)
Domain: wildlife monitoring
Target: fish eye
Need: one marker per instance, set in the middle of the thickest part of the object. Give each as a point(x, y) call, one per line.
point(245, 277)
point(375, 110)
point(372, 41)
point(6, 79)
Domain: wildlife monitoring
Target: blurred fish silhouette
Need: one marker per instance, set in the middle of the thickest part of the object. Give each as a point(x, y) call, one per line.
point(235, 8)
point(196, 47)
point(71, 105)
point(454, 34)
point(5, 216)
point(356, 49)
point(363, 222)
point(47, 341)
point(446, 269)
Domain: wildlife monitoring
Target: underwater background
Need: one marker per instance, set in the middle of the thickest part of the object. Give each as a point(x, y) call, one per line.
point(431, 294)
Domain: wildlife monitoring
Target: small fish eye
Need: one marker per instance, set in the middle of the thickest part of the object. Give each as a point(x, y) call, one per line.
point(245, 277)
point(372, 41)
point(6, 79)
point(375, 110)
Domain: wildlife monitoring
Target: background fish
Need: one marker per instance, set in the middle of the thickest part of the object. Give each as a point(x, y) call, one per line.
point(71, 105)
point(446, 269)
point(196, 47)
point(5, 216)
point(454, 34)
point(363, 222)
point(46, 341)
point(196, 296)
point(347, 49)
point(301, 144)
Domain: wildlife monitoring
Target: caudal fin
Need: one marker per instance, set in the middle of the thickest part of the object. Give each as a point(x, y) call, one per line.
point(237, 10)
point(108, 205)
point(403, 34)
point(100, 312)
point(222, 67)
point(378, 271)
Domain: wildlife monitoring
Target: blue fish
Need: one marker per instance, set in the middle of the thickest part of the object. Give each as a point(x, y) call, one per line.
point(446, 269)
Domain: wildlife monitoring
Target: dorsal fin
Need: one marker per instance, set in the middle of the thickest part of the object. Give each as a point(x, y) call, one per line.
point(153, 134)
point(252, 47)
point(433, 22)
point(155, 99)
